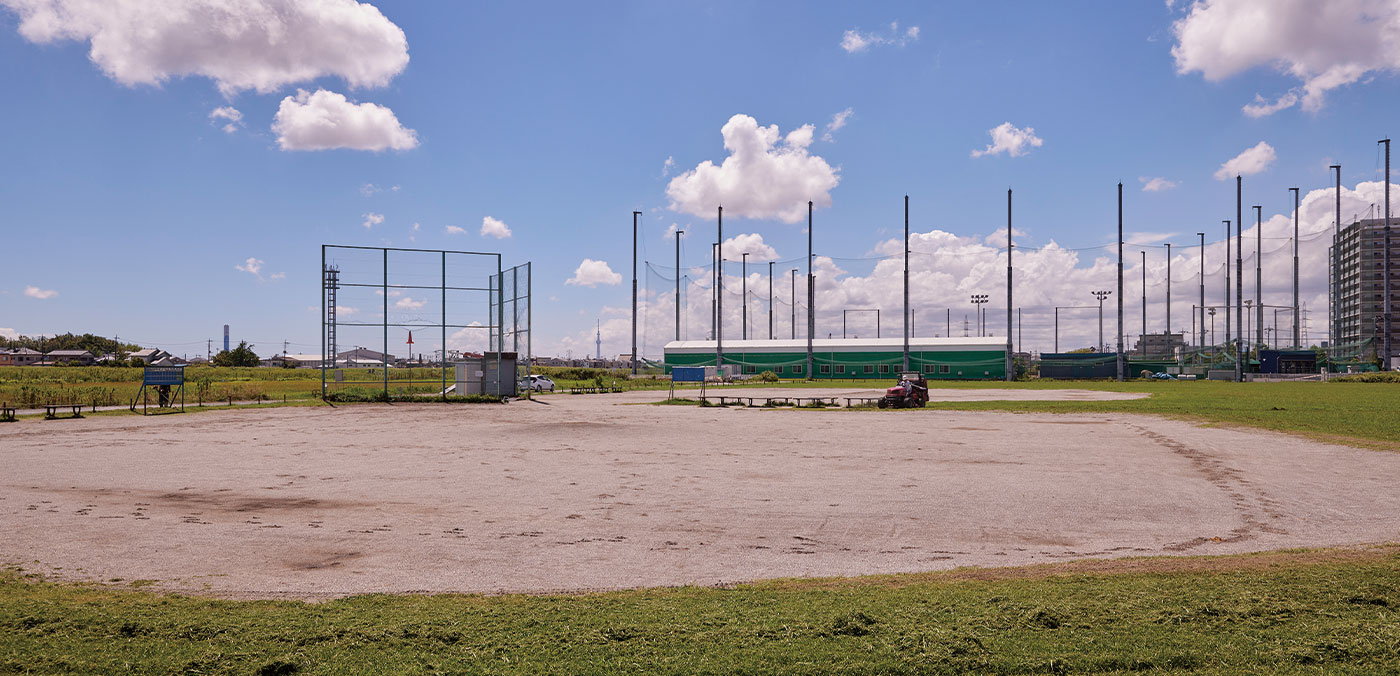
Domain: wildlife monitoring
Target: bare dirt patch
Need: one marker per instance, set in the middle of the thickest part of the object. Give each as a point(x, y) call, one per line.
point(591, 493)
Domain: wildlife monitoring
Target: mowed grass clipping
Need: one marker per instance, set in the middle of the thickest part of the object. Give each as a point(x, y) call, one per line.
point(1319, 612)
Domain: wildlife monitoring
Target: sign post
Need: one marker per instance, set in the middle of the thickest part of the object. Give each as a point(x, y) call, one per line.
point(688, 374)
point(162, 379)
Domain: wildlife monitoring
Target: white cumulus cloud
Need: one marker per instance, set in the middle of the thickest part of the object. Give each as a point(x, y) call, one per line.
point(7, 332)
point(41, 294)
point(326, 120)
point(1155, 184)
point(1010, 140)
point(491, 227)
point(855, 40)
point(372, 219)
point(1323, 45)
point(1247, 163)
point(252, 266)
point(408, 303)
point(259, 45)
point(751, 243)
point(591, 273)
point(454, 230)
point(234, 118)
point(765, 176)
point(837, 122)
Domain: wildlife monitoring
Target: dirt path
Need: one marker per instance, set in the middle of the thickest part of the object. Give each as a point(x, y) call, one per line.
point(589, 492)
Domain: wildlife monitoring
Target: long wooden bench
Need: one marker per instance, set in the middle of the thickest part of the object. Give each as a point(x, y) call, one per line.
point(51, 411)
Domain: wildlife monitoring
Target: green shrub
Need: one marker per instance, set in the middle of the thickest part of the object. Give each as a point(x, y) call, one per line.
point(767, 377)
point(1373, 377)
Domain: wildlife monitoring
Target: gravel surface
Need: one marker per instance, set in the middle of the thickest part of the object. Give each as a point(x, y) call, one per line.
point(596, 492)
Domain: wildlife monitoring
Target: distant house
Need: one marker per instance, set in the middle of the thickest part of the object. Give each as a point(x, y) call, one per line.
point(151, 357)
point(302, 361)
point(362, 357)
point(74, 357)
point(21, 356)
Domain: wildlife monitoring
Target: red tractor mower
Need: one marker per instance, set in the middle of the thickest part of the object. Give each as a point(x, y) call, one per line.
point(911, 392)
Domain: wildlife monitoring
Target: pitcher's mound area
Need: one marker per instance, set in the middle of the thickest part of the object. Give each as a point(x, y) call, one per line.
point(589, 492)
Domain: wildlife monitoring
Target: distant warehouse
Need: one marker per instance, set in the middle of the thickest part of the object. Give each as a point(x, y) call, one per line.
point(936, 358)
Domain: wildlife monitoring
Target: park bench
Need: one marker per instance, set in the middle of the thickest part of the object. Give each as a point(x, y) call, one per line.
point(864, 401)
point(8, 413)
point(51, 410)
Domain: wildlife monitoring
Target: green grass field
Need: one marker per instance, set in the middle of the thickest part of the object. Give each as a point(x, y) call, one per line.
point(1354, 413)
point(1302, 612)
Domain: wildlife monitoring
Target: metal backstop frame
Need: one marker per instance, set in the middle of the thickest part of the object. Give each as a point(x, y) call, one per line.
point(335, 279)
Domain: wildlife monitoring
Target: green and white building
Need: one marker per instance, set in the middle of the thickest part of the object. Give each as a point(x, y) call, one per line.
point(838, 358)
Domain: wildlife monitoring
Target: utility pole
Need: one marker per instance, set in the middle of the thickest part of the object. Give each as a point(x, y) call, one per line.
point(1297, 338)
point(770, 300)
point(1202, 344)
point(1119, 360)
point(1010, 363)
point(1385, 264)
point(1333, 330)
point(811, 293)
point(635, 215)
point(719, 293)
point(1101, 295)
point(1259, 274)
point(794, 303)
point(906, 283)
point(1142, 338)
point(1239, 277)
point(678, 283)
point(744, 286)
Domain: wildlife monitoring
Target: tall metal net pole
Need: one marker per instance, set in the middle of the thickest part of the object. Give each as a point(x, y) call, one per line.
point(1202, 311)
point(1119, 360)
point(1239, 278)
point(1385, 262)
point(443, 362)
point(719, 293)
point(906, 282)
point(323, 321)
point(1259, 276)
point(1297, 334)
point(1334, 328)
point(811, 293)
point(385, 292)
point(1010, 363)
point(635, 214)
point(770, 300)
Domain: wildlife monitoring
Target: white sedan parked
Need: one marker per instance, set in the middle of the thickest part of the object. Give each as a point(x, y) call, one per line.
point(537, 383)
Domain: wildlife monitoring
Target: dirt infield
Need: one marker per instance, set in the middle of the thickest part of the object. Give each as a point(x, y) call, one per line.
point(590, 492)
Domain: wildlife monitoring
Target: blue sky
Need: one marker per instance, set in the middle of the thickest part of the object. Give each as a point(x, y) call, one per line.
point(129, 211)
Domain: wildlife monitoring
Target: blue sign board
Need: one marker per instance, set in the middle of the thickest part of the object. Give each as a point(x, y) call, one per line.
point(164, 375)
point(687, 374)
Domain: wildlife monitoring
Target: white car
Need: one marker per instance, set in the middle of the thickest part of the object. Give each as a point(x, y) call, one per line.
point(537, 383)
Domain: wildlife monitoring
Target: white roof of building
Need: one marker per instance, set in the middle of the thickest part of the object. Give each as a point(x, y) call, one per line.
point(990, 344)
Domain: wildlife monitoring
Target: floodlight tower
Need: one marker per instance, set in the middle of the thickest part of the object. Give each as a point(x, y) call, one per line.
point(1101, 295)
point(978, 300)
